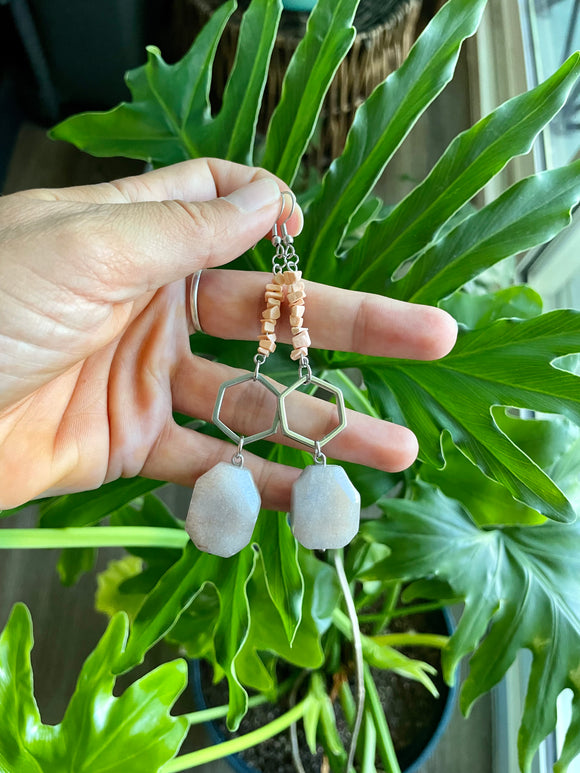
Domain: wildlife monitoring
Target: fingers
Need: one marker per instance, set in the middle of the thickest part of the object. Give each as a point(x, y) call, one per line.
point(140, 233)
point(249, 408)
point(230, 305)
point(182, 455)
point(200, 179)
point(157, 243)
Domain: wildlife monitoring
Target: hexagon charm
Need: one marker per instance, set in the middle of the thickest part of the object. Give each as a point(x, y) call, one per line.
point(325, 508)
point(288, 432)
point(223, 510)
point(220, 398)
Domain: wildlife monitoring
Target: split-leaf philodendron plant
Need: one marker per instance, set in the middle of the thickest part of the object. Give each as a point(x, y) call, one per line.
point(487, 516)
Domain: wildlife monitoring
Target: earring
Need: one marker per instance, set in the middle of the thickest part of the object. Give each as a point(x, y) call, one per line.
point(325, 510)
point(225, 503)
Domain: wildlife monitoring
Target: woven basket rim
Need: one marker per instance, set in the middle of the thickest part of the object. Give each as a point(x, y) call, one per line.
point(371, 16)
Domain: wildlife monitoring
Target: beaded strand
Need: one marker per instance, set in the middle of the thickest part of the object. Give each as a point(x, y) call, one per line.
point(289, 286)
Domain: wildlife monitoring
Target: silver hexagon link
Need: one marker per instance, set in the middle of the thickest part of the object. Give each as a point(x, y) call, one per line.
point(290, 433)
point(219, 401)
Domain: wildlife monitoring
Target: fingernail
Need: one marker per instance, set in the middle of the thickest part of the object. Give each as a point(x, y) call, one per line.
point(254, 196)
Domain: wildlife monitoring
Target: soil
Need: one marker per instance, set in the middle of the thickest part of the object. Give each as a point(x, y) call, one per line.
point(412, 713)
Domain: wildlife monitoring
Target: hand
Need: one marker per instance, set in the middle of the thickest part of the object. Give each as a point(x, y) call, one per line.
point(94, 331)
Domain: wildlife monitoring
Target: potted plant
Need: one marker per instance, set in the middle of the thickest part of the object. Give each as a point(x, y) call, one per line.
point(486, 516)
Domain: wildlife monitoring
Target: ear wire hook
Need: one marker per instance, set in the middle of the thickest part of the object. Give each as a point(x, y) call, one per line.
point(285, 234)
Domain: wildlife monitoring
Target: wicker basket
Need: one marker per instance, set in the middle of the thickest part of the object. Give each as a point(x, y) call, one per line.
point(385, 33)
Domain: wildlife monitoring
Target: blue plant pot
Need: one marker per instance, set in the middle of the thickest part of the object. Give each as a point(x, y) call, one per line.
point(238, 764)
point(445, 716)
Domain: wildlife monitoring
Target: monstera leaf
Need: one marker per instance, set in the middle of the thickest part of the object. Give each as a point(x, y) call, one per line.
point(520, 582)
point(176, 591)
point(381, 123)
point(329, 35)
point(470, 161)
point(169, 118)
point(509, 363)
point(134, 732)
point(266, 635)
point(214, 593)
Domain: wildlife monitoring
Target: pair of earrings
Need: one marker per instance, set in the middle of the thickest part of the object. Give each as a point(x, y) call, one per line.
point(325, 508)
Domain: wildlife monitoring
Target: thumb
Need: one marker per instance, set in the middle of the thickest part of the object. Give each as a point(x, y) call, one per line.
point(165, 241)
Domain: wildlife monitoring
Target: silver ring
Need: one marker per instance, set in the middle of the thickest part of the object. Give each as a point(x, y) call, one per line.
point(193, 290)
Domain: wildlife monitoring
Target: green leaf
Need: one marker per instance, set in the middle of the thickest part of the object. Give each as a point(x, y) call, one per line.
point(473, 311)
point(195, 629)
point(327, 718)
point(486, 501)
point(99, 732)
point(329, 36)
point(319, 579)
point(267, 636)
point(380, 125)
point(529, 213)
point(371, 484)
point(16, 510)
point(508, 363)
point(110, 597)
point(310, 720)
point(379, 654)
point(175, 592)
point(233, 131)
point(170, 105)
point(520, 586)
point(371, 209)
point(552, 442)
point(471, 160)
point(282, 574)
point(150, 511)
point(90, 507)
point(73, 563)
point(387, 658)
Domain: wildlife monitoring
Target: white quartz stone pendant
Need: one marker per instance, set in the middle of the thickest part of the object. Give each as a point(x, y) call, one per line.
point(223, 510)
point(325, 508)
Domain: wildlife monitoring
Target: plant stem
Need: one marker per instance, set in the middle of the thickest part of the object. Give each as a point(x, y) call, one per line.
point(370, 745)
point(392, 593)
point(358, 654)
point(411, 610)
point(341, 621)
point(426, 607)
point(217, 712)
point(412, 640)
point(217, 751)
point(384, 740)
point(93, 537)
point(348, 704)
point(365, 599)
